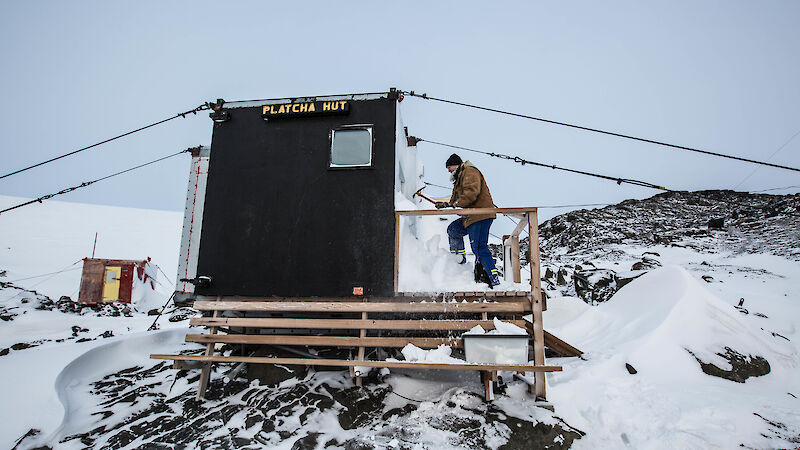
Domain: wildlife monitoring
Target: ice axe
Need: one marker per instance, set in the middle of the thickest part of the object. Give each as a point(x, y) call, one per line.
point(419, 192)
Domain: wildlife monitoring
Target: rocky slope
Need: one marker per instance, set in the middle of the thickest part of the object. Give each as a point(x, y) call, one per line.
point(707, 221)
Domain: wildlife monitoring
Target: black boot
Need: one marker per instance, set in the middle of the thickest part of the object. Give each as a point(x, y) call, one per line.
point(480, 274)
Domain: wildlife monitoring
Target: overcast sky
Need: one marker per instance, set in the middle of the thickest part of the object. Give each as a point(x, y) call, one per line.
point(716, 75)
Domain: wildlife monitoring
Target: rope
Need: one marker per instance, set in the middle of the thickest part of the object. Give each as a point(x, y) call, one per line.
point(183, 114)
point(595, 130)
point(523, 162)
point(88, 183)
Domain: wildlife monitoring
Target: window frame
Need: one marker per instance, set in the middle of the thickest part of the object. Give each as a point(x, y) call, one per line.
point(362, 126)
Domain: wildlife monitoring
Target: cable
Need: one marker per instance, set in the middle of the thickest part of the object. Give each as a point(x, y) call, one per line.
point(519, 160)
point(776, 189)
point(46, 274)
point(306, 97)
point(438, 185)
point(595, 130)
point(183, 114)
point(87, 183)
point(770, 157)
point(153, 326)
point(166, 277)
point(575, 206)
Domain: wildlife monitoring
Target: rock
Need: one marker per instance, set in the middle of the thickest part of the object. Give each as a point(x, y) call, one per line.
point(21, 346)
point(561, 278)
point(622, 281)
point(716, 223)
point(309, 442)
point(181, 314)
point(708, 278)
point(357, 444)
point(742, 367)
point(152, 312)
point(645, 264)
point(594, 285)
point(631, 370)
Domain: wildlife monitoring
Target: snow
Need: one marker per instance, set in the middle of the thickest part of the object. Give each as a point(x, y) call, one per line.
point(653, 324)
point(659, 324)
point(425, 261)
point(55, 236)
point(439, 355)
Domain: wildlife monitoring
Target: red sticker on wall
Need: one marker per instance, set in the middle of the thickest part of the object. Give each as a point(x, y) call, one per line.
point(358, 291)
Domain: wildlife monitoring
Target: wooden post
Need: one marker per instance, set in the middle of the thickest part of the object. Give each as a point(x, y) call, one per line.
point(205, 374)
point(396, 250)
point(488, 391)
point(536, 303)
point(515, 265)
point(362, 334)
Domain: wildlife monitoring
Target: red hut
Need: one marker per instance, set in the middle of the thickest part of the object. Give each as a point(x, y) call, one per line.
point(108, 280)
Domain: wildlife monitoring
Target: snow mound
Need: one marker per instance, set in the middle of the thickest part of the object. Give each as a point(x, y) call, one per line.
point(73, 383)
point(666, 314)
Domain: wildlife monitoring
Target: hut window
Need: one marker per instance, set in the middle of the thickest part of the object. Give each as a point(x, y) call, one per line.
point(351, 147)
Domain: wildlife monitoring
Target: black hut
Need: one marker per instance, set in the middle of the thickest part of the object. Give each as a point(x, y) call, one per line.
point(300, 198)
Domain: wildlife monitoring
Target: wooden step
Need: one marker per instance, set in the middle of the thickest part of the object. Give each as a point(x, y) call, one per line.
point(346, 324)
point(355, 307)
point(353, 363)
point(323, 341)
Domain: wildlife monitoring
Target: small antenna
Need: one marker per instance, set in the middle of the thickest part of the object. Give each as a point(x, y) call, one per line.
point(95, 244)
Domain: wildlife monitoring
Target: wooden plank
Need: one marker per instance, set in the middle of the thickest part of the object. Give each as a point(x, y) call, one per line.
point(188, 365)
point(366, 363)
point(536, 306)
point(324, 341)
point(464, 211)
point(347, 324)
point(356, 307)
point(557, 345)
point(521, 225)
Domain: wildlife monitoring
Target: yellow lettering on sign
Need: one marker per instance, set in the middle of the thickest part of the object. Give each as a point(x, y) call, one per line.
point(343, 103)
point(304, 107)
point(296, 108)
point(311, 107)
point(326, 106)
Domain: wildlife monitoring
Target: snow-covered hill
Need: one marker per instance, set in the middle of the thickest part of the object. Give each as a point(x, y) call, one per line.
point(689, 334)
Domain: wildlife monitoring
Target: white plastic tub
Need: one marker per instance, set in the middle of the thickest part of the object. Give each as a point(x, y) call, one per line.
point(496, 348)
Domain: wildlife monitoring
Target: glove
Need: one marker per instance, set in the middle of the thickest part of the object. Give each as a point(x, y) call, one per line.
point(440, 205)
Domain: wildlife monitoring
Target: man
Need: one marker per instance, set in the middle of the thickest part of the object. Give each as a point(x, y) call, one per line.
point(470, 191)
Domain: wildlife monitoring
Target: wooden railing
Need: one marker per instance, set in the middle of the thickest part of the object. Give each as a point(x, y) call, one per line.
point(528, 217)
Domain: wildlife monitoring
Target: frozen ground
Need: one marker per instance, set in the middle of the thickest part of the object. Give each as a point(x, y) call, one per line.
point(670, 362)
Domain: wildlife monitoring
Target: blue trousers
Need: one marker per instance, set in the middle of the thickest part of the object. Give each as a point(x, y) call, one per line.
point(478, 240)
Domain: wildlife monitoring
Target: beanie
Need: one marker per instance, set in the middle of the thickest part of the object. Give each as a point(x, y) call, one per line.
point(453, 160)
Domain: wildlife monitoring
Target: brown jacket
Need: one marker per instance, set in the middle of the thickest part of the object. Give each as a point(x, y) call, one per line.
point(470, 191)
